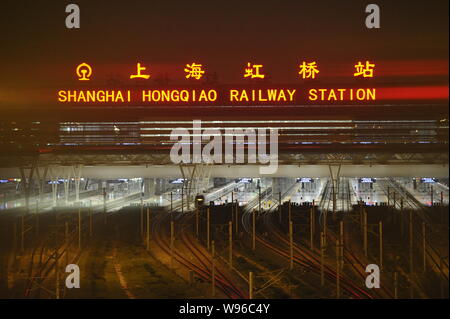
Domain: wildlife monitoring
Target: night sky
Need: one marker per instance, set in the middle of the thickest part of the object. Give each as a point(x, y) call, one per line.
point(38, 53)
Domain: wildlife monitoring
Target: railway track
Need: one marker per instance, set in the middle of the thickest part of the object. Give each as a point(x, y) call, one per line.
point(201, 265)
point(422, 212)
point(41, 270)
point(343, 196)
point(194, 257)
point(304, 258)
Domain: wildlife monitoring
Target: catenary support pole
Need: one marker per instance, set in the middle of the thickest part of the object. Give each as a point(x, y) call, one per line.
point(254, 230)
point(401, 218)
point(57, 293)
point(341, 243)
point(15, 236)
point(395, 285)
point(424, 247)
point(365, 233)
point(394, 199)
point(388, 196)
point(22, 233)
point(259, 198)
point(338, 271)
point(213, 269)
point(197, 220)
point(325, 225)
point(66, 240)
point(311, 229)
point(230, 243)
point(90, 223)
point(322, 253)
point(208, 221)
point(172, 234)
point(289, 211)
point(291, 247)
point(148, 229)
point(380, 235)
point(142, 219)
point(237, 218)
point(250, 285)
point(411, 266)
point(431, 195)
point(79, 228)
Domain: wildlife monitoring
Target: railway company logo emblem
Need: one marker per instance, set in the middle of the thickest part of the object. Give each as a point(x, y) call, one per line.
point(84, 72)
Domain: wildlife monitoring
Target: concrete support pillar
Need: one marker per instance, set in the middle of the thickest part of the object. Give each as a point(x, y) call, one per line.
point(276, 187)
point(54, 190)
point(77, 189)
point(159, 186)
point(27, 182)
point(42, 175)
point(334, 175)
point(77, 179)
point(66, 189)
point(150, 186)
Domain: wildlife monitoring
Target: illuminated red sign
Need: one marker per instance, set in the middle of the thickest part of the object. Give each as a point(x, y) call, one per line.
point(232, 95)
point(306, 93)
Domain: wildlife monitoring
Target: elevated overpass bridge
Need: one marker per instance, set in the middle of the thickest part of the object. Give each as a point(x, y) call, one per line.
point(123, 142)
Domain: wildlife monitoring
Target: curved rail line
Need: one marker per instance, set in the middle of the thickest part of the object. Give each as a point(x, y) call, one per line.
point(201, 268)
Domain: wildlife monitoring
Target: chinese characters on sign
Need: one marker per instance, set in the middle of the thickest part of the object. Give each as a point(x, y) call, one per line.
point(195, 71)
point(308, 70)
point(252, 71)
point(139, 75)
point(364, 70)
